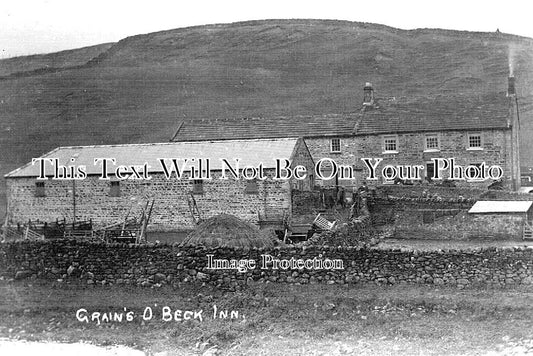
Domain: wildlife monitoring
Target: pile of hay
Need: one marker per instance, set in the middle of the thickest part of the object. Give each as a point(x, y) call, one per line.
point(229, 231)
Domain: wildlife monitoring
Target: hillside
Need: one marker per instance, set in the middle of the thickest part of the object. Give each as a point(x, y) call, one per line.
point(138, 89)
point(47, 63)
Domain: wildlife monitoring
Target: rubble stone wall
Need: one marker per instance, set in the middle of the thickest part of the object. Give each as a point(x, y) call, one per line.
point(171, 208)
point(321, 148)
point(442, 213)
point(453, 144)
point(153, 265)
point(467, 194)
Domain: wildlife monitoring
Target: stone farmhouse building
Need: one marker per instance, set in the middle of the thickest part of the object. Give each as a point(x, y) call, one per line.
point(125, 192)
point(472, 130)
point(400, 131)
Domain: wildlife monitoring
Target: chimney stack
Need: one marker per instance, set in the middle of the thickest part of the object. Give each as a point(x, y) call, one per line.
point(511, 88)
point(368, 94)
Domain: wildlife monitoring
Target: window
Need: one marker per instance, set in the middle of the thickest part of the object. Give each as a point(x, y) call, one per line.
point(335, 145)
point(432, 142)
point(251, 187)
point(114, 190)
point(390, 144)
point(39, 189)
point(474, 141)
point(198, 186)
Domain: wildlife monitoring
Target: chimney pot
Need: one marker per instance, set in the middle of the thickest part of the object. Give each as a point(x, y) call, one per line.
point(368, 94)
point(511, 87)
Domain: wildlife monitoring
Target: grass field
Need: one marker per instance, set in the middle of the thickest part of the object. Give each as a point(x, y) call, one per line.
point(276, 319)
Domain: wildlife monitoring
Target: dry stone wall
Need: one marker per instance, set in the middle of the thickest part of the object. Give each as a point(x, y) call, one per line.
point(447, 194)
point(156, 265)
point(442, 213)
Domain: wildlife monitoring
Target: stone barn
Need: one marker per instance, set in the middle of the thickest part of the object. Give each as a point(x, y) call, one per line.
point(106, 183)
point(505, 218)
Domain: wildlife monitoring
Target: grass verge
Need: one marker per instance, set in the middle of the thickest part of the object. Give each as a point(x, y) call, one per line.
point(276, 319)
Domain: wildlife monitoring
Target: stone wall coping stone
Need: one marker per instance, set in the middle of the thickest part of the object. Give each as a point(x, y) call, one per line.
point(277, 249)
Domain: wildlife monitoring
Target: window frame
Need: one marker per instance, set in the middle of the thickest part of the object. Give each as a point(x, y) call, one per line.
point(430, 136)
point(331, 145)
point(471, 135)
point(251, 187)
point(384, 143)
point(114, 189)
point(40, 189)
point(198, 186)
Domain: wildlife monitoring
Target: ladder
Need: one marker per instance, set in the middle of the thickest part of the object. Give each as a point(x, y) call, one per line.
point(527, 233)
point(193, 209)
point(145, 218)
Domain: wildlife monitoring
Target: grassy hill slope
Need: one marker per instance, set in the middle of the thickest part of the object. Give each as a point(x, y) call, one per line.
point(140, 88)
point(45, 63)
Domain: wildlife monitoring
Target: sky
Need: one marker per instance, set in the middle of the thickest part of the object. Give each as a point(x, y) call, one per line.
point(43, 26)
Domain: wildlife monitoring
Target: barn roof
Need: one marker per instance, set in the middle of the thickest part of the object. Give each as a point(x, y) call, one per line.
point(503, 206)
point(296, 126)
point(250, 152)
point(462, 112)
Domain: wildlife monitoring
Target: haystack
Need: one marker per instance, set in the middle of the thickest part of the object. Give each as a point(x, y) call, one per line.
point(228, 231)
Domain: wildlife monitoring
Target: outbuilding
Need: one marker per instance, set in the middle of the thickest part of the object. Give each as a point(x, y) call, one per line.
point(510, 217)
point(247, 178)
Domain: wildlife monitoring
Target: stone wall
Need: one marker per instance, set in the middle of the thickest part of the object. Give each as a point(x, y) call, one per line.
point(403, 205)
point(453, 144)
point(94, 198)
point(305, 202)
point(442, 213)
point(321, 148)
point(171, 209)
point(464, 194)
point(457, 225)
point(149, 265)
point(302, 156)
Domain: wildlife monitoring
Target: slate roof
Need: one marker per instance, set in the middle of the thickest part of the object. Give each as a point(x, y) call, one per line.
point(400, 115)
point(249, 128)
point(250, 152)
point(503, 206)
point(436, 114)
